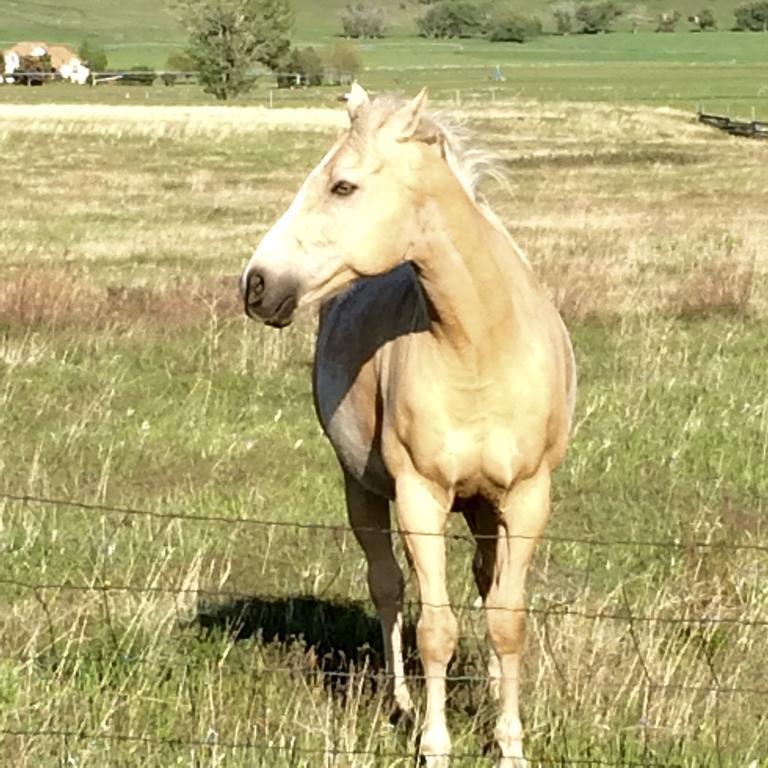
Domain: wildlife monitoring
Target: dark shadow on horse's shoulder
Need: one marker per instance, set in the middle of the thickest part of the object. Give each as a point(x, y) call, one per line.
point(365, 317)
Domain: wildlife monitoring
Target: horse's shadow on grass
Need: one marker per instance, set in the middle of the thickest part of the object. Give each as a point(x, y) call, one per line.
point(337, 639)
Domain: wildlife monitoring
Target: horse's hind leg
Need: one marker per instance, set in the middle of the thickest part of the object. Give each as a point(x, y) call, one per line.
point(369, 516)
point(522, 518)
point(481, 520)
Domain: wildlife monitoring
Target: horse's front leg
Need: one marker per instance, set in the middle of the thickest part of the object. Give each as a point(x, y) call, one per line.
point(421, 516)
point(369, 517)
point(522, 517)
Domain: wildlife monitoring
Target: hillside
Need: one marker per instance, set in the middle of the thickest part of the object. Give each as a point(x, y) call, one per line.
point(144, 31)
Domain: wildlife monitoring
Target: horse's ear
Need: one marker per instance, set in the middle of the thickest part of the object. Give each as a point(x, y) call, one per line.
point(405, 121)
point(357, 98)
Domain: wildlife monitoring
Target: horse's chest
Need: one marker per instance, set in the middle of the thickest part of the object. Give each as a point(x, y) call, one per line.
point(481, 458)
point(378, 432)
point(463, 439)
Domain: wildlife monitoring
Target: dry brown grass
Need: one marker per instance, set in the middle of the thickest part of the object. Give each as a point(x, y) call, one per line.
point(583, 288)
point(60, 299)
point(715, 288)
point(162, 121)
point(620, 209)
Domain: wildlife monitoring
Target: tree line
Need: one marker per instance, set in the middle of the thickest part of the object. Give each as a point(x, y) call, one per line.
point(499, 22)
point(228, 40)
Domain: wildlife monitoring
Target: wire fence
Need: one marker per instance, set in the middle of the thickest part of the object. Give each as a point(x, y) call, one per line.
point(548, 612)
point(293, 752)
point(558, 610)
point(468, 84)
point(26, 498)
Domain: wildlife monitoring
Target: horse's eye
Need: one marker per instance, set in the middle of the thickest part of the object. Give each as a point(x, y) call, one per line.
point(343, 188)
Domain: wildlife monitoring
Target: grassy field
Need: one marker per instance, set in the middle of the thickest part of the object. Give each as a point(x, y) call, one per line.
point(737, 90)
point(143, 22)
point(129, 378)
point(724, 71)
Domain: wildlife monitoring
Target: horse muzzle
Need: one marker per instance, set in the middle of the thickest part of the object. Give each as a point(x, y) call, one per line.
point(271, 300)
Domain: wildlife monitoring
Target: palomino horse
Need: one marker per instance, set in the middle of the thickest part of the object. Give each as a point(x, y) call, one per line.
point(443, 377)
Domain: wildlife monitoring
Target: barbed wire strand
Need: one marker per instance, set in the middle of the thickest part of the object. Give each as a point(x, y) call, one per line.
point(46, 657)
point(344, 528)
point(557, 611)
point(267, 746)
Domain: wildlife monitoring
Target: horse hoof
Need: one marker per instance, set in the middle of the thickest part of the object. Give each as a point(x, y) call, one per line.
point(513, 762)
point(402, 718)
point(435, 761)
point(435, 749)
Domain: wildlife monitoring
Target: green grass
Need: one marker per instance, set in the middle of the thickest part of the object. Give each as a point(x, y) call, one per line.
point(724, 89)
point(723, 71)
point(129, 378)
point(182, 431)
point(142, 22)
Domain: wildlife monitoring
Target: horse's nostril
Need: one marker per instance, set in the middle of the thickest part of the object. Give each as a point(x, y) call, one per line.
point(255, 285)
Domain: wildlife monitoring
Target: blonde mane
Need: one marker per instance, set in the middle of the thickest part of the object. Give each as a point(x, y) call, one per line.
point(470, 164)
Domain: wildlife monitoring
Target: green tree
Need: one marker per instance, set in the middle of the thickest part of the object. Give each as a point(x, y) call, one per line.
point(563, 15)
point(752, 16)
point(343, 61)
point(704, 20)
point(180, 61)
point(229, 38)
point(139, 74)
point(93, 55)
point(638, 15)
point(311, 65)
point(451, 18)
point(597, 17)
point(302, 66)
point(179, 67)
point(360, 20)
point(506, 26)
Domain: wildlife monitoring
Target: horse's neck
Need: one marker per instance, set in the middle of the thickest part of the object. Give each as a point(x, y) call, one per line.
point(466, 267)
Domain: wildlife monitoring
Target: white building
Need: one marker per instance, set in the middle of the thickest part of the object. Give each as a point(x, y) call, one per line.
point(64, 61)
point(67, 63)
